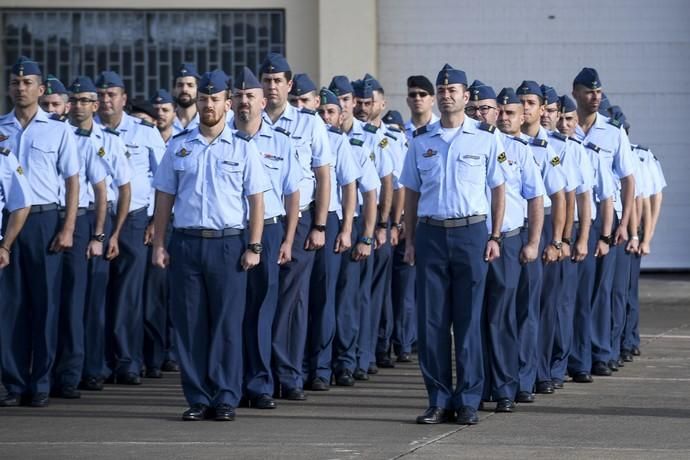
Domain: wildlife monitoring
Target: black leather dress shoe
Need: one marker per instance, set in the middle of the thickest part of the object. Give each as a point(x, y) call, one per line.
point(505, 405)
point(627, 356)
point(434, 415)
point(39, 400)
point(264, 402)
point(372, 369)
point(129, 378)
point(582, 377)
point(345, 379)
point(11, 400)
point(360, 374)
point(636, 351)
point(404, 358)
point(154, 373)
point(91, 384)
point(544, 388)
point(319, 384)
point(224, 413)
point(170, 366)
point(557, 384)
point(385, 362)
point(613, 365)
point(68, 392)
point(467, 416)
point(525, 397)
point(294, 394)
point(195, 413)
point(600, 368)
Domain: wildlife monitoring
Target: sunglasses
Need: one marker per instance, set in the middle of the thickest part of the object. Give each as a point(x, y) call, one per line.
point(81, 100)
point(414, 94)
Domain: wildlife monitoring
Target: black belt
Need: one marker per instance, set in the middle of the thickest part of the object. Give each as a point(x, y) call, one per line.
point(513, 232)
point(80, 212)
point(452, 223)
point(137, 211)
point(92, 206)
point(273, 220)
point(208, 233)
point(43, 208)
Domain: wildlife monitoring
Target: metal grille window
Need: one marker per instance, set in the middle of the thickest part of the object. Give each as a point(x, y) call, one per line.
point(144, 47)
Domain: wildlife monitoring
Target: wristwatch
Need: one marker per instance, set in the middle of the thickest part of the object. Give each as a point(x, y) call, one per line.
point(100, 237)
point(495, 238)
point(256, 248)
point(382, 225)
point(567, 241)
point(606, 239)
point(397, 225)
point(320, 228)
point(558, 244)
point(366, 240)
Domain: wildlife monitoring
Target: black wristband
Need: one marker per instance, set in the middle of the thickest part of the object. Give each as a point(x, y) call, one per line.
point(497, 239)
point(320, 228)
point(566, 241)
point(382, 225)
point(606, 239)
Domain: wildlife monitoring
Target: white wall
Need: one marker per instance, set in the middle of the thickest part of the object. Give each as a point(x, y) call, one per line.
point(640, 48)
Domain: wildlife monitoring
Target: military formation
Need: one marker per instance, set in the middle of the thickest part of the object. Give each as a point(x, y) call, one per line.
point(266, 237)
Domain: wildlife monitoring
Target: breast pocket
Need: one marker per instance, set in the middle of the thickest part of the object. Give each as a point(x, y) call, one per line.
point(471, 168)
point(430, 169)
point(44, 154)
point(232, 173)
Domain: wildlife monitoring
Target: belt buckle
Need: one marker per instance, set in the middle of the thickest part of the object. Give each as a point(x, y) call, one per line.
point(207, 233)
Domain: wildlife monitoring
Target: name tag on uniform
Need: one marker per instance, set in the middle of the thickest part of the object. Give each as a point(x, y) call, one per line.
point(230, 163)
point(429, 153)
point(472, 157)
point(270, 156)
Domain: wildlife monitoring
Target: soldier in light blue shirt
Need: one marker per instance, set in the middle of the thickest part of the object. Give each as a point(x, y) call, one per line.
point(420, 100)
point(46, 151)
point(184, 92)
point(15, 201)
point(446, 171)
point(210, 174)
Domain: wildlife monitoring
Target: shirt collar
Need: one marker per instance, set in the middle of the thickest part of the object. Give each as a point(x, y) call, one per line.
point(225, 135)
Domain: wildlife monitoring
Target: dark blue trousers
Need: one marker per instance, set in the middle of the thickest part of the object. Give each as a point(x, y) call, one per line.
point(156, 311)
point(631, 332)
point(321, 324)
point(549, 303)
point(501, 332)
point(208, 294)
point(382, 299)
point(29, 309)
point(262, 301)
point(366, 328)
point(347, 310)
point(403, 296)
point(451, 277)
point(125, 311)
point(69, 360)
point(619, 298)
point(580, 358)
point(94, 309)
point(601, 300)
point(527, 311)
point(290, 323)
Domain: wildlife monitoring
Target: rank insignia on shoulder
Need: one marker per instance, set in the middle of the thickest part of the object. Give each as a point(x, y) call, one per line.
point(20, 170)
point(242, 135)
point(357, 142)
point(615, 123)
point(58, 117)
point(502, 157)
point(3, 137)
point(518, 139)
point(592, 146)
point(419, 131)
point(370, 128)
point(384, 143)
point(282, 130)
point(642, 147)
point(539, 143)
point(4, 151)
point(555, 161)
point(372, 156)
point(181, 133)
point(333, 129)
point(82, 132)
point(575, 140)
point(101, 152)
point(557, 135)
point(429, 153)
point(147, 123)
point(182, 152)
point(487, 127)
point(308, 111)
point(394, 129)
point(111, 131)
point(391, 136)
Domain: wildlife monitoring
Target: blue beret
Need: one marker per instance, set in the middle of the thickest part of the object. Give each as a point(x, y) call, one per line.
point(508, 96)
point(274, 63)
point(340, 85)
point(588, 78)
point(109, 79)
point(604, 105)
point(450, 76)
point(162, 96)
point(481, 92)
point(82, 84)
point(302, 84)
point(421, 82)
point(213, 82)
point(566, 104)
point(529, 87)
point(550, 94)
point(54, 85)
point(477, 83)
point(187, 70)
point(375, 85)
point(393, 117)
point(246, 80)
point(328, 97)
point(363, 89)
point(25, 66)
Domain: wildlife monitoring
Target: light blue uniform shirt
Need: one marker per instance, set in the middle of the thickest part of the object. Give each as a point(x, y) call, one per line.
point(655, 176)
point(281, 165)
point(410, 128)
point(15, 192)
point(110, 151)
point(346, 170)
point(210, 181)
point(308, 134)
point(549, 165)
point(577, 168)
point(605, 183)
point(451, 175)
point(91, 169)
point(46, 150)
point(397, 153)
point(372, 143)
point(178, 128)
point(369, 179)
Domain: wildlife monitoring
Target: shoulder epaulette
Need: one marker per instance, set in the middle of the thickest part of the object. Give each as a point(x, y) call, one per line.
point(487, 127)
point(575, 140)
point(242, 135)
point(110, 130)
point(518, 139)
point(391, 136)
point(82, 132)
point(642, 147)
point(147, 123)
point(181, 133)
point(333, 129)
point(58, 117)
point(357, 142)
point(394, 129)
point(4, 151)
point(370, 128)
point(558, 135)
point(539, 143)
point(592, 146)
point(282, 130)
point(615, 123)
point(309, 111)
point(419, 131)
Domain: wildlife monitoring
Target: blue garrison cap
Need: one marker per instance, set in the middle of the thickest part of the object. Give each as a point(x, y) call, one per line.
point(477, 83)
point(393, 117)
point(604, 105)
point(246, 80)
point(450, 76)
point(550, 94)
point(82, 84)
point(328, 97)
point(109, 79)
point(213, 82)
point(529, 87)
point(508, 96)
point(26, 66)
point(566, 104)
point(301, 84)
point(340, 85)
point(363, 89)
point(588, 77)
point(162, 96)
point(375, 85)
point(481, 92)
point(618, 115)
point(274, 63)
point(54, 85)
point(187, 70)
